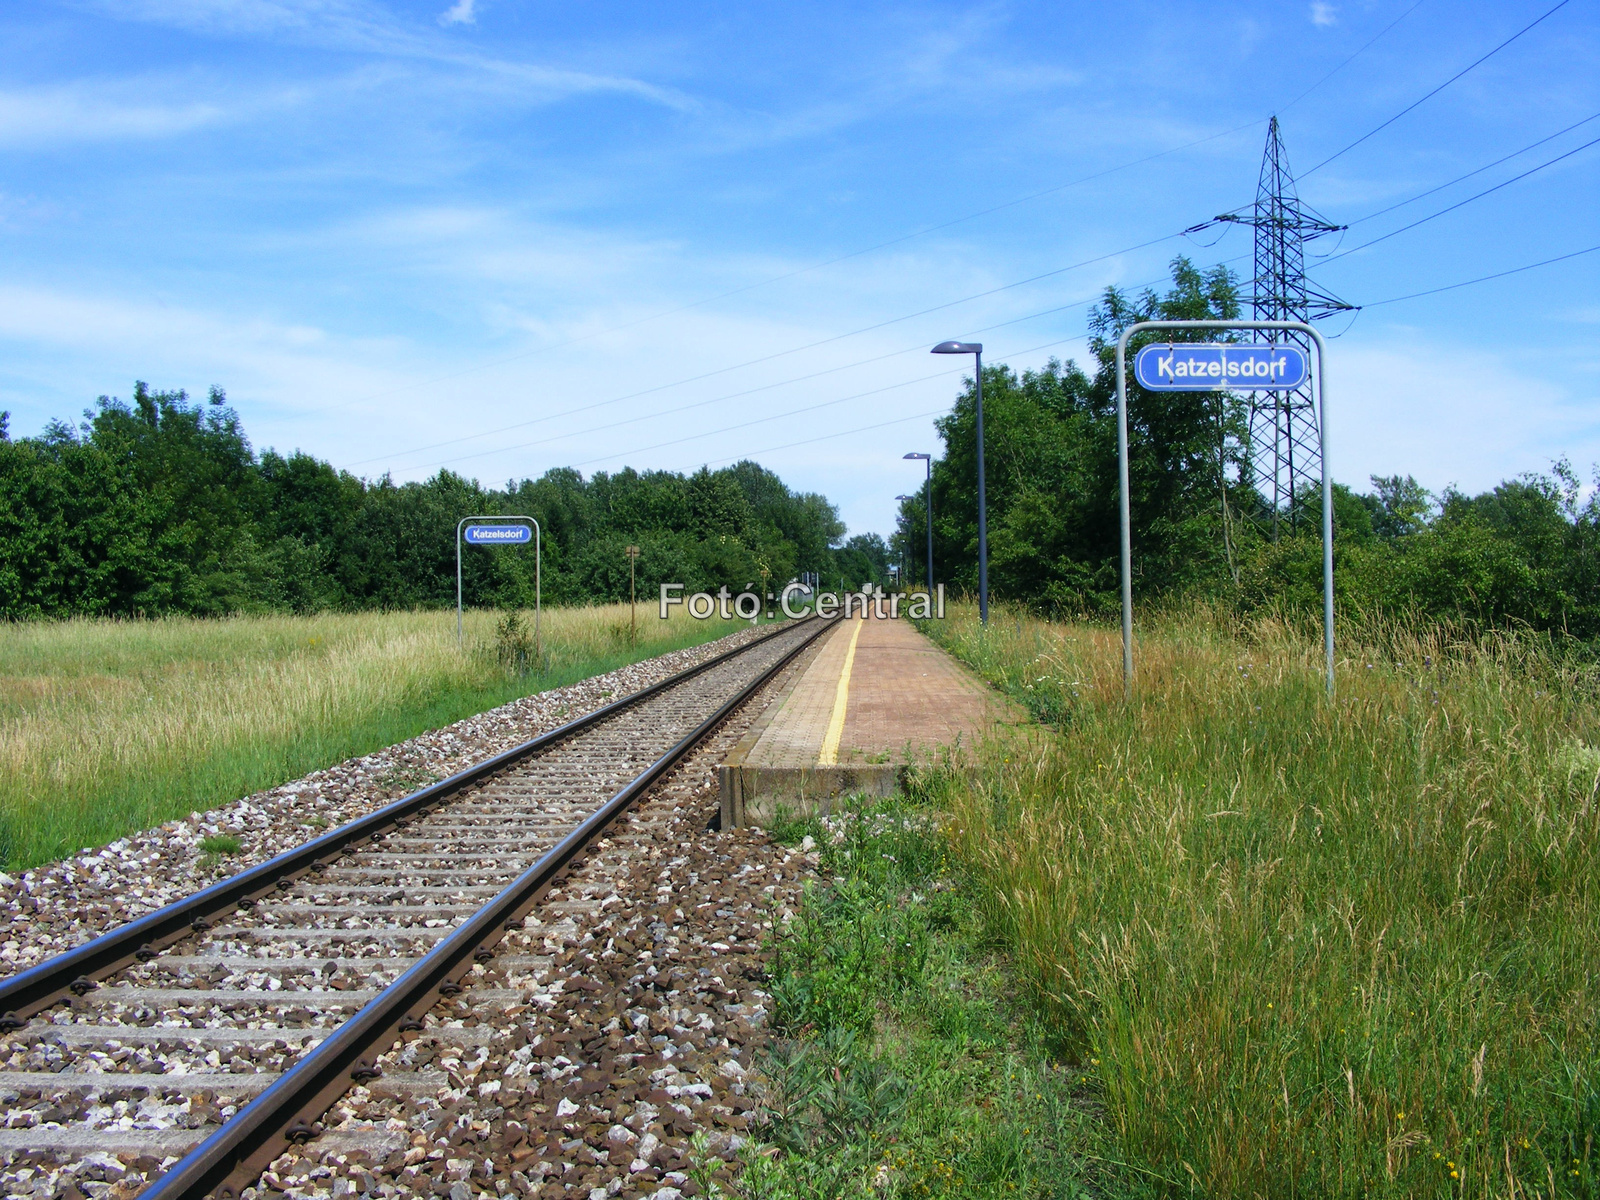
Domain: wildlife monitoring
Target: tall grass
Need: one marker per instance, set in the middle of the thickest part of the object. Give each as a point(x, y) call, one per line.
point(1309, 949)
point(111, 726)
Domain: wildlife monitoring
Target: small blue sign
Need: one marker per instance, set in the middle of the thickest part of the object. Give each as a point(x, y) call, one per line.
point(498, 535)
point(1210, 367)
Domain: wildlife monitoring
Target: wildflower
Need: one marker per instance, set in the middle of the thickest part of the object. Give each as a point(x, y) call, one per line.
point(1399, 1116)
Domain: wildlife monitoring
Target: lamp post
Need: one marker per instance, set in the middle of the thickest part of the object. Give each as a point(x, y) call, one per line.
point(976, 348)
point(905, 550)
point(928, 486)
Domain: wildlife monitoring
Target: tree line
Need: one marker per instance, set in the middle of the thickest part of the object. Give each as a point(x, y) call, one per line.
point(161, 506)
point(1525, 552)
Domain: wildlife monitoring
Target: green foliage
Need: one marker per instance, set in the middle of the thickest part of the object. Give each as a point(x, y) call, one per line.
point(1321, 949)
point(842, 954)
point(162, 507)
point(905, 1071)
point(190, 712)
point(514, 647)
point(220, 843)
point(1527, 552)
point(1051, 459)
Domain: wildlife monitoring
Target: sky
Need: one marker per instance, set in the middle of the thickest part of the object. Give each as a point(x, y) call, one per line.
point(499, 237)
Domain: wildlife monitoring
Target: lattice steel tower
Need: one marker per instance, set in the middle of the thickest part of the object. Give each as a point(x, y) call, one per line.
point(1285, 462)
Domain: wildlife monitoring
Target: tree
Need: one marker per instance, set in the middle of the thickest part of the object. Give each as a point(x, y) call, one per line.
point(1051, 456)
point(160, 505)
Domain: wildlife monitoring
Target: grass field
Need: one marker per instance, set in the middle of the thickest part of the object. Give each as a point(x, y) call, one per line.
point(1302, 949)
point(112, 726)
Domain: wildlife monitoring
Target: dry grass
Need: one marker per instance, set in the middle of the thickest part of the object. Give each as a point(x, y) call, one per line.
point(108, 726)
point(1308, 950)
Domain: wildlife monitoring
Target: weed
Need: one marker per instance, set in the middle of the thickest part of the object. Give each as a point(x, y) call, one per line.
point(904, 1070)
point(1336, 949)
point(108, 726)
point(514, 647)
point(405, 779)
point(220, 843)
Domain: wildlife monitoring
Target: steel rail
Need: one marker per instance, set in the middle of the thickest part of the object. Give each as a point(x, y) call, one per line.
point(77, 971)
point(285, 1113)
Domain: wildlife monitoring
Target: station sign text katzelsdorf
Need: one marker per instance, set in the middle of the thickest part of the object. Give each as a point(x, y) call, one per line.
point(497, 535)
point(1205, 367)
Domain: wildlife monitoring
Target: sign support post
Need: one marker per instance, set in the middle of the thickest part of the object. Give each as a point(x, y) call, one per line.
point(507, 533)
point(1242, 381)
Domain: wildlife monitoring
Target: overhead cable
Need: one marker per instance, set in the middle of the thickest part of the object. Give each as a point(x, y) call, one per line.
point(1450, 287)
point(1464, 70)
point(1461, 203)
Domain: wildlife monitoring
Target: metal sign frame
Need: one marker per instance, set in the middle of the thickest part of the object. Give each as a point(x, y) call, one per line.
point(538, 564)
point(1122, 477)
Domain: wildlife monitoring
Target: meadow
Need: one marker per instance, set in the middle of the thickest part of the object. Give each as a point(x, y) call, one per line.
point(108, 726)
point(1302, 948)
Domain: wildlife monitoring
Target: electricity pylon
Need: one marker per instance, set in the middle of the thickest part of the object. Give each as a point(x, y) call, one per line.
point(1285, 461)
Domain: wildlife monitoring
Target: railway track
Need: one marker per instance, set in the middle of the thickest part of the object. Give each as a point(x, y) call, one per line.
point(219, 1030)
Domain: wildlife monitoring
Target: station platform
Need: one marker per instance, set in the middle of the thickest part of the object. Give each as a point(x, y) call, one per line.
point(875, 698)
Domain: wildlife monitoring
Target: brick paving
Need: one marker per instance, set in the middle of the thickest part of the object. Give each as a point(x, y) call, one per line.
point(907, 699)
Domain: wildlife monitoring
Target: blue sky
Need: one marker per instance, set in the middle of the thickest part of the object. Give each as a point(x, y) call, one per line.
point(503, 236)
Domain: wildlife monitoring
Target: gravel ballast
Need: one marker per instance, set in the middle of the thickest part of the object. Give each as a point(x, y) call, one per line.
point(624, 1019)
point(52, 908)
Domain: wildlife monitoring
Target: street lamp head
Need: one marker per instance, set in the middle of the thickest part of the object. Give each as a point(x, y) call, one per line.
point(915, 454)
point(958, 348)
point(903, 497)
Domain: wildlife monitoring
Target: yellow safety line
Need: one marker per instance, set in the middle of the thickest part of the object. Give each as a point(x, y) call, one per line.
point(841, 699)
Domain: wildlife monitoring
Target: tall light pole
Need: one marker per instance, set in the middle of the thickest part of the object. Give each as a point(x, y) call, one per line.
point(928, 458)
point(976, 348)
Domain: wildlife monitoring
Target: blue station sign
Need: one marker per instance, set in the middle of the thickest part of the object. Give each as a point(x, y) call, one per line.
point(497, 535)
point(1208, 367)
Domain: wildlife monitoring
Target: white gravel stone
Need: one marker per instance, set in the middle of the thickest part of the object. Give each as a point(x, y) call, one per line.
point(55, 907)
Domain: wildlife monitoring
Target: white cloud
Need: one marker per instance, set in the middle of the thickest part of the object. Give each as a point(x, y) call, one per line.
point(368, 28)
point(93, 111)
point(1323, 14)
point(1448, 414)
point(91, 344)
point(462, 12)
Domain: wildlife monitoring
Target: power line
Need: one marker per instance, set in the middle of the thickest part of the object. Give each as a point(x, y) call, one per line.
point(809, 408)
point(980, 295)
point(1478, 171)
point(1375, 304)
point(994, 291)
point(794, 412)
point(1464, 70)
point(933, 412)
point(818, 266)
point(879, 358)
point(765, 387)
point(1450, 287)
point(895, 241)
point(1461, 203)
point(1285, 108)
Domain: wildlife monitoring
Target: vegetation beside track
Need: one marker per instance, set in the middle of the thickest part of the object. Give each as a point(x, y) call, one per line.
point(110, 726)
point(905, 1067)
point(1346, 950)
